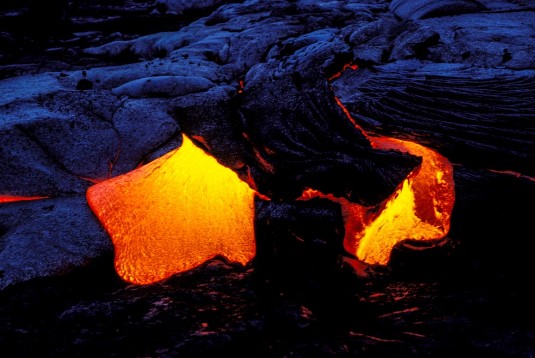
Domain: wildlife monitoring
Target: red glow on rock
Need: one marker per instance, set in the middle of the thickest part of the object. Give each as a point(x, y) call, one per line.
point(184, 208)
point(347, 66)
point(419, 209)
point(11, 199)
point(350, 117)
point(513, 173)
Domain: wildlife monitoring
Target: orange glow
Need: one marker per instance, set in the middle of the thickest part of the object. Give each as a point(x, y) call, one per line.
point(347, 66)
point(419, 209)
point(175, 213)
point(10, 199)
point(351, 119)
point(184, 208)
point(513, 173)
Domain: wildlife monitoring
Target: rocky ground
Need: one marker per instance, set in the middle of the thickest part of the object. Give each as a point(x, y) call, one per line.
point(103, 87)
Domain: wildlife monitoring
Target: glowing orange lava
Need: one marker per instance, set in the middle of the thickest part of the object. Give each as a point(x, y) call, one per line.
point(175, 213)
point(184, 208)
point(347, 66)
point(419, 209)
point(11, 199)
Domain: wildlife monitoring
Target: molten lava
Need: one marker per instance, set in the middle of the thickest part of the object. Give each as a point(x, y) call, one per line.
point(419, 209)
point(347, 66)
point(12, 199)
point(184, 208)
point(175, 213)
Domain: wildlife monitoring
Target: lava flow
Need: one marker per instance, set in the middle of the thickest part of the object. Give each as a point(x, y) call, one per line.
point(175, 213)
point(11, 199)
point(184, 208)
point(419, 209)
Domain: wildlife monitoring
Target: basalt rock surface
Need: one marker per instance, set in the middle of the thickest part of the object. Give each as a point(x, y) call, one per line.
point(109, 86)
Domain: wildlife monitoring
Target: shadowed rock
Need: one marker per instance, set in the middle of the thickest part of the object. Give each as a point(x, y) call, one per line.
point(180, 6)
point(474, 116)
point(210, 119)
point(423, 9)
point(162, 86)
point(48, 237)
point(302, 139)
point(26, 169)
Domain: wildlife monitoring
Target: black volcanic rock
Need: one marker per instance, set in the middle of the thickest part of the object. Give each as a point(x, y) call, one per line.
point(423, 9)
point(26, 169)
point(211, 119)
point(153, 128)
point(298, 241)
point(48, 237)
point(282, 131)
point(471, 39)
point(302, 139)
point(422, 101)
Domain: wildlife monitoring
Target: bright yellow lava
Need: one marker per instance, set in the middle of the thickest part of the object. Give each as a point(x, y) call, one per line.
point(184, 208)
point(420, 209)
point(175, 213)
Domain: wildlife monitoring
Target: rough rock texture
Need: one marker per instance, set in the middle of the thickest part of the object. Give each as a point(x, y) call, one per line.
point(497, 104)
point(47, 237)
point(107, 86)
point(422, 9)
point(179, 6)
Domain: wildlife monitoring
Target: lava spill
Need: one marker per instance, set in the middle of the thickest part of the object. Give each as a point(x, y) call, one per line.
point(11, 199)
point(175, 213)
point(185, 208)
point(419, 209)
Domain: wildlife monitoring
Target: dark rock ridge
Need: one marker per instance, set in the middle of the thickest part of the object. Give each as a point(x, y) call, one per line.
point(423, 9)
point(112, 85)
